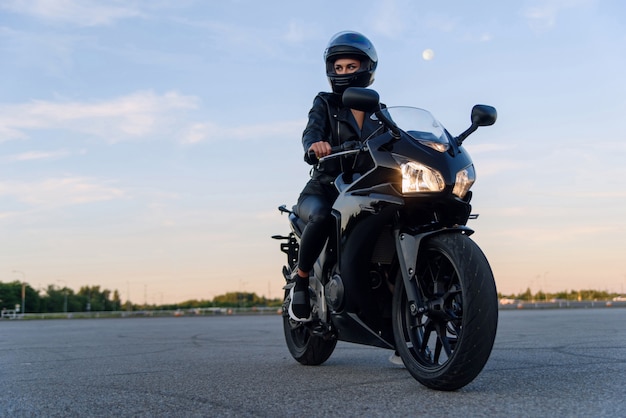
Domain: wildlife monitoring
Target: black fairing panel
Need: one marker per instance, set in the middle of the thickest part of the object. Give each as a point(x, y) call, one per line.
point(351, 328)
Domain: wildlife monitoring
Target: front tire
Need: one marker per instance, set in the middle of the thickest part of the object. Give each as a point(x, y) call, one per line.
point(447, 338)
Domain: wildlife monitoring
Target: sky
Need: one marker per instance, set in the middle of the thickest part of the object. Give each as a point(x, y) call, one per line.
point(146, 144)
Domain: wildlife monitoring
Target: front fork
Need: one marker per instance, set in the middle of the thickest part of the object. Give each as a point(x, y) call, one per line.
point(407, 247)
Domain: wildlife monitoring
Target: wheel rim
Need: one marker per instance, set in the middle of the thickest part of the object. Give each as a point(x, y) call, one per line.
point(432, 335)
point(300, 335)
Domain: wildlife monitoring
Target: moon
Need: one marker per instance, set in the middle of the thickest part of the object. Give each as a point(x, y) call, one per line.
point(428, 54)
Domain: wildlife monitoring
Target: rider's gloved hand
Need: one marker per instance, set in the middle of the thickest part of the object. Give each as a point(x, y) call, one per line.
point(321, 149)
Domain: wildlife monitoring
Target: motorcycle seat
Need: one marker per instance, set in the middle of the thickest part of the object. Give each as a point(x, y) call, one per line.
point(296, 222)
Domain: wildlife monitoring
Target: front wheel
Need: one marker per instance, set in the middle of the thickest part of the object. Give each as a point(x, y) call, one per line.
point(446, 337)
point(307, 348)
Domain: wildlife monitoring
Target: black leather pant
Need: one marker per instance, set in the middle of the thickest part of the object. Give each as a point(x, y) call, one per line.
point(314, 206)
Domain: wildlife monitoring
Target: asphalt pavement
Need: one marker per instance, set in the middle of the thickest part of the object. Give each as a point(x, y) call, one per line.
point(558, 362)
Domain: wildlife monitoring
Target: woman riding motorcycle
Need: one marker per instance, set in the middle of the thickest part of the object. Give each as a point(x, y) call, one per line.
point(351, 61)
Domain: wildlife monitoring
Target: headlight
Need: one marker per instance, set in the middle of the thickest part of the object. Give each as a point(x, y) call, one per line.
point(464, 180)
point(418, 178)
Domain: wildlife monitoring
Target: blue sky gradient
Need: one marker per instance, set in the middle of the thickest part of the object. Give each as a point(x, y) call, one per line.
point(145, 145)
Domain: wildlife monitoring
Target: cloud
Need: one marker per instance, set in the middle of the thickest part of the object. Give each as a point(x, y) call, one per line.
point(555, 234)
point(59, 191)
point(269, 130)
point(134, 116)
point(389, 19)
point(492, 167)
point(481, 148)
point(229, 41)
point(208, 131)
point(543, 16)
point(198, 132)
point(78, 12)
point(478, 37)
point(47, 52)
point(298, 32)
point(440, 22)
point(36, 155)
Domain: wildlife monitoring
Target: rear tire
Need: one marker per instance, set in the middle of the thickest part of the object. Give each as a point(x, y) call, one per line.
point(304, 346)
point(449, 339)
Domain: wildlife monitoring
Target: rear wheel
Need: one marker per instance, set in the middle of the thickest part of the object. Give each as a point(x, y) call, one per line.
point(305, 346)
point(445, 339)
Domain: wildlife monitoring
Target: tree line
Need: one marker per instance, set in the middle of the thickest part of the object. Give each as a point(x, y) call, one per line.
point(94, 298)
point(58, 299)
point(571, 295)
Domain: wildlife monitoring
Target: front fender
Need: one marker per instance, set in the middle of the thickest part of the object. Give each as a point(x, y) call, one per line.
point(408, 247)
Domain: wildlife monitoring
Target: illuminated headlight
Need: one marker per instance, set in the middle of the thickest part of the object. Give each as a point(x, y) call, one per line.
point(418, 178)
point(464, 180)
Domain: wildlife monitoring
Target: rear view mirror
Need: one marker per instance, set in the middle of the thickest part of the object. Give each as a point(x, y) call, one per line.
point(359, 98)
point(483, 115)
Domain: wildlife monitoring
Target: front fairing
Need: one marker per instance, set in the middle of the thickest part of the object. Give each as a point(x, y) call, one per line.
point(380, 189)
point(420, 125)
point(426, 141)
point(422, 139)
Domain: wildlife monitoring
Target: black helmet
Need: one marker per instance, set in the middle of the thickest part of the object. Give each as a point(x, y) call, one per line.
point(350, 45)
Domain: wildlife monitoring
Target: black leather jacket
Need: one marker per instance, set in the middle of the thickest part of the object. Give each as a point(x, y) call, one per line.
point(330, 121)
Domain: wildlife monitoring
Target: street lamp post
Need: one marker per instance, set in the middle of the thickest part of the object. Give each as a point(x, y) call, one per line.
point(23, 291)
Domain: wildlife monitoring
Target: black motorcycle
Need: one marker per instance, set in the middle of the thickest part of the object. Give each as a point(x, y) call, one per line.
point(399, 270)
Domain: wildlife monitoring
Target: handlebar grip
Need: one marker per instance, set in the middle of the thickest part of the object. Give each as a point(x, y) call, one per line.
point(333, 150)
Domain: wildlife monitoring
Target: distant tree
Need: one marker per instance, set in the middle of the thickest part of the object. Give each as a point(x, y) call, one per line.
point(116, 301)
point(93, 298)
point(527, 295)
point(11, 295)
point(54, 299)
point(562, 295)
point(239, 299)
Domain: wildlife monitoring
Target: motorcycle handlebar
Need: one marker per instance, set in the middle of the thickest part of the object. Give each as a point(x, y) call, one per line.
point(346, 146)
